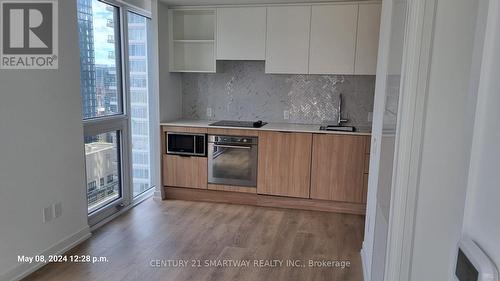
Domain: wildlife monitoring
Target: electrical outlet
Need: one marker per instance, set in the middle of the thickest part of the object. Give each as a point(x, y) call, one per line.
point(209, 112)
point(47, 214)
point(57, 209)
point(286, 114)
point(370, 116)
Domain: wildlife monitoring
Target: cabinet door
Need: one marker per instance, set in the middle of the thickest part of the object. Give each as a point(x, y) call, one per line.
point(179, 171)
point(367, 39)
point(284, 164)
point(287, 41)
point(241, 33)
point(333, 39)
point(338, 168)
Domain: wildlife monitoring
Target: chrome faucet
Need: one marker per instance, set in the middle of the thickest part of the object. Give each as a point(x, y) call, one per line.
point(340, 120)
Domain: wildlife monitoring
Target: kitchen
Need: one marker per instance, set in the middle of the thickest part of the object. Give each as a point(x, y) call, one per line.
point(274, 104)
point(250, 140)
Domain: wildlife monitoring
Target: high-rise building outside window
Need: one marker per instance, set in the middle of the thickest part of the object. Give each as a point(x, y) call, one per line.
point(139, 93)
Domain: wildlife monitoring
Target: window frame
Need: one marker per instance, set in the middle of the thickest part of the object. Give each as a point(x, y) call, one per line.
point(121, 122)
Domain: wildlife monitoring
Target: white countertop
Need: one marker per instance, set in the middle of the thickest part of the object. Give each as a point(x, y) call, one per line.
point(284, 127)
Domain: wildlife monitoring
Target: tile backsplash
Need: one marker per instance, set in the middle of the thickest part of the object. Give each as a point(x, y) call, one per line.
point(240, 90)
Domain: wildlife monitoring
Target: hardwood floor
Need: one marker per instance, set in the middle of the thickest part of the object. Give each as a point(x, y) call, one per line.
point(183, 230)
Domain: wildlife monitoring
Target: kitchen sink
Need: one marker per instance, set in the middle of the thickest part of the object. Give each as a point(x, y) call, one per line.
point(338, 128)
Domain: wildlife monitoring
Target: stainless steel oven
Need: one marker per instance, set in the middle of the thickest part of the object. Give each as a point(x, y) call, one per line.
point(232, 160)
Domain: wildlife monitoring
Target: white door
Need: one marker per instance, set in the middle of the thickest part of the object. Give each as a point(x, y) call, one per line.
point(241, 33)
point(287, 40)
point(333, 39)
point(385, 120)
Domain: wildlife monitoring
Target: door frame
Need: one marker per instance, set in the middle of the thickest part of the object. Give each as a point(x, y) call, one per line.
point(415, 77)
point(409, 139)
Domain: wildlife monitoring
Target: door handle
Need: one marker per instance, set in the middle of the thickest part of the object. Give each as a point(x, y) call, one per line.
point(232, 146)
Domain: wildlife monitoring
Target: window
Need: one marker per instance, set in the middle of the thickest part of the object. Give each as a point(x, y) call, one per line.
point(137, 50)
point(139, 97)
point(141, 144)
point(140, 112)
point(139, 92)
point(102, 158)
point(141, 173)
point(141, 157)
point(138, 81)
point(101, 27)
point(137, 66)
point(139, 127)
point(136, 33)
point(91, 186)
point(99, 59)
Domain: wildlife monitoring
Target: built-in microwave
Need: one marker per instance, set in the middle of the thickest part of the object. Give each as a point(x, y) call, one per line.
point(186, 144)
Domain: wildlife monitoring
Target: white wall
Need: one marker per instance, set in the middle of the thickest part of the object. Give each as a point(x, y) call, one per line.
point(481, 221)
point(41, 153)
point(170, 83)
point(446, 143)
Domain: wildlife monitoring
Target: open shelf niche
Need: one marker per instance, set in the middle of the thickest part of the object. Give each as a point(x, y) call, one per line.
point(192, 40)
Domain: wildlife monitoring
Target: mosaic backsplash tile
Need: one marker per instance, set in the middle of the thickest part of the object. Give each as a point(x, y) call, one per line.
point(240, 90)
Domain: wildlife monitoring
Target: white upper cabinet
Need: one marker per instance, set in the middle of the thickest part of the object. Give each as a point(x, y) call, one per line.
point(333, 39)
point(330, 38)
point(287, 40)
point(367, 39)
point(241, 33)
point(192, 40)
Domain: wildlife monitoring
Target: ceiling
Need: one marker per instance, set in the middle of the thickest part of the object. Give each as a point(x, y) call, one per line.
point(239, 2)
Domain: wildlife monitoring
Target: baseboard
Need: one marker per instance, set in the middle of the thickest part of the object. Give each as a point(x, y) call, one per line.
point(366, 276)
point(193, 194)
point(61, 247)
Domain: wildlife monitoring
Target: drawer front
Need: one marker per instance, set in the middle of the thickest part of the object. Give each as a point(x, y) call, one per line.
point(197, 130)
point(233, 132)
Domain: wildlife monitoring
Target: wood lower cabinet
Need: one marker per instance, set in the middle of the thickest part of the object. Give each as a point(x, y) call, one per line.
point(284, 164)
point(337, 171)
point(313, 171)
point(182, 171)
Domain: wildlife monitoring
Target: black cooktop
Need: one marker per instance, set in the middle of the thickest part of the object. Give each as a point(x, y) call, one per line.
point(244, 124)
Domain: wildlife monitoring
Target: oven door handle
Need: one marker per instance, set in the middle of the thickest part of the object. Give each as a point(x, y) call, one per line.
point(233, 146)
